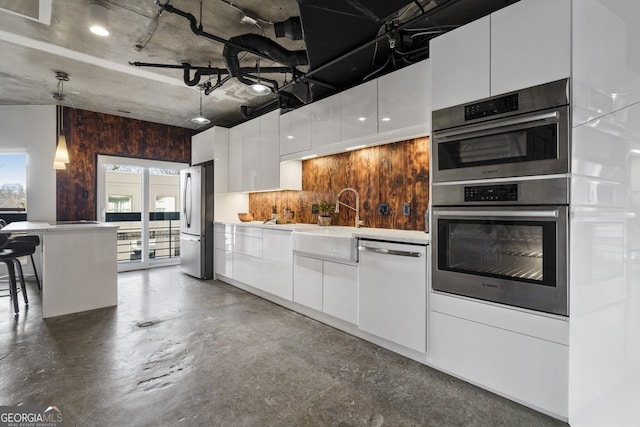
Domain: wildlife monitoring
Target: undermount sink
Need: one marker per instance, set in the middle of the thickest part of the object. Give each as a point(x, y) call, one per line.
point(331, 243)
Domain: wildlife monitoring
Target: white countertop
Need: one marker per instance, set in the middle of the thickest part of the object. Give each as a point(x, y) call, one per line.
point(27, 226)
point(401, 236)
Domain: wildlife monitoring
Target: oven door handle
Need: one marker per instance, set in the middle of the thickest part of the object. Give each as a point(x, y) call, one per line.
point(495, 126)
point(515, 214)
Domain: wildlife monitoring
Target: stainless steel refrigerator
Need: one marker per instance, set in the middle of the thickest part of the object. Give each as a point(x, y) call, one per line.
point(196, 221)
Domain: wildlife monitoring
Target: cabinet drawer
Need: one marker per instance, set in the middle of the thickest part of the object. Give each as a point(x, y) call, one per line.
point(248, 231)
point(248, 245)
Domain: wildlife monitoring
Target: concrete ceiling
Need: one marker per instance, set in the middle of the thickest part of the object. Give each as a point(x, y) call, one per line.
point(102, 79)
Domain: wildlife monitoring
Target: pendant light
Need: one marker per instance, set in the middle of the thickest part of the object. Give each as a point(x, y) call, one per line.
point(62, 153)
point(200, 120)
point(258, 89)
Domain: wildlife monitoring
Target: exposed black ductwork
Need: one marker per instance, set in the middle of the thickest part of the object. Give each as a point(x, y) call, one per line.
point(290, 28)
point(263, 45)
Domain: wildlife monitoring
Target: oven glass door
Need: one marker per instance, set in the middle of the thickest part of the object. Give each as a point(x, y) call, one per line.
point(523, 251)
point(531, 144)
point(512, 256)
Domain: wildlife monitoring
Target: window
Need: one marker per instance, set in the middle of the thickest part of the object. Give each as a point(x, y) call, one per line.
point(13, 183)
point(165, 204)
point(119, 203)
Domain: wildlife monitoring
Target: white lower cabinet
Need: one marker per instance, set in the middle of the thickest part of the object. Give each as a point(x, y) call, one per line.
point(307, 281)
point(326, 286)
point(277, 263)
point(340, 291)
point(517, 354)
point(223, 254)
point(247, 256)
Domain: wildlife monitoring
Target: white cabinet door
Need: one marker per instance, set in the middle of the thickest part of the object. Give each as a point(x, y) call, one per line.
point(277, 263)
point(221, 160)
point(223, 254)
point(247, 256)
point(268, 151)
point(460, 61)
point(393, 292)
point(325, 122)
point(526, 368)
point(307, 281)
point(202, 146)
point(295, 131)
point(236, 136)
point(359, 111)
point(340, 291)
point(524, 53)
point(223, 263)
point(404, 97)
point(250, 155)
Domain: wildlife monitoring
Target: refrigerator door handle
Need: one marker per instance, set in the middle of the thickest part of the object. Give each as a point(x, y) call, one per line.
point(186, 200)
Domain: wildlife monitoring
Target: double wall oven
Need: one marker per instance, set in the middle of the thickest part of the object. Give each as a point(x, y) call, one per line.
point(500, 199)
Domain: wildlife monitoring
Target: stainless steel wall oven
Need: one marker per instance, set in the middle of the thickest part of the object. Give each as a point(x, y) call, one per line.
point(500, 199)
point(517, 134)
point(512, 254)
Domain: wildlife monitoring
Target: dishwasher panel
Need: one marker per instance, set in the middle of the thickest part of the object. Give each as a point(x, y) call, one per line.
point(393, 292)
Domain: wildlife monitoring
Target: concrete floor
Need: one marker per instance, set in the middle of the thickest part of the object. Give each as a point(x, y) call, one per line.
point(179, 351)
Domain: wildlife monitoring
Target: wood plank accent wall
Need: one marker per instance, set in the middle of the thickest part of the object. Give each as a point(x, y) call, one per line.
point(392, 173)
point(89, 134)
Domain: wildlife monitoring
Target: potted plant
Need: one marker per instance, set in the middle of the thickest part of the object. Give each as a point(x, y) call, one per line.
point(325, 210)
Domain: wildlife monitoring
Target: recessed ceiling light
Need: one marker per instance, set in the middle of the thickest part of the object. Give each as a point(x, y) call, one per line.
point(98, 18)
point(386, 119)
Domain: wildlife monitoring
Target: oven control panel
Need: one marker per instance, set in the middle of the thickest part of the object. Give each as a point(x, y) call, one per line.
point(491, 193)
point(491, 107)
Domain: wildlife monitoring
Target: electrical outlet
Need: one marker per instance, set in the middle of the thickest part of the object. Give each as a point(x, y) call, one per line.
point(406, 209)
point(383, 209)
point(314, 209)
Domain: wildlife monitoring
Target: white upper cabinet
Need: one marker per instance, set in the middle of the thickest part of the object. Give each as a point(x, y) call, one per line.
point(530, 44)
point(460, 61)
point(250, 155)
point(522, 45)
point(254, 158)
point(268, 151)
point(404, 98)
point(359, 111)
point(236, 135)
point(606, 63)
point(295, 131)
point(325, 122)
point(213, 144)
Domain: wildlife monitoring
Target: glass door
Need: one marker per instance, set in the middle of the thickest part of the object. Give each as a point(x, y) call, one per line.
point(142, 198)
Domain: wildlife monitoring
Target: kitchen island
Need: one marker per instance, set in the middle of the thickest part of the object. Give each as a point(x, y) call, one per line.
point(79, 264)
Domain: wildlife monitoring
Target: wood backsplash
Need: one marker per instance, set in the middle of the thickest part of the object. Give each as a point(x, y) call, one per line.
point(393, 173)
point(89, 134)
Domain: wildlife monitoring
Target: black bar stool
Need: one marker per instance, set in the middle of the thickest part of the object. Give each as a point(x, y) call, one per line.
point(26, 238)
point(9, 254)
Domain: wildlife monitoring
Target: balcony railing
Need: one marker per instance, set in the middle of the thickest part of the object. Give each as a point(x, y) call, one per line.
point(164, 235)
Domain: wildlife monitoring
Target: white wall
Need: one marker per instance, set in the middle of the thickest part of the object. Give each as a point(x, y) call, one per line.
point(227, 206)
point(32, 129)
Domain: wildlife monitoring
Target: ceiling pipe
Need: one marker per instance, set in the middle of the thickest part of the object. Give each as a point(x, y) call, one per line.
point(258, 111)
point(208, 71)
point(267, 47)
point(272, 52)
